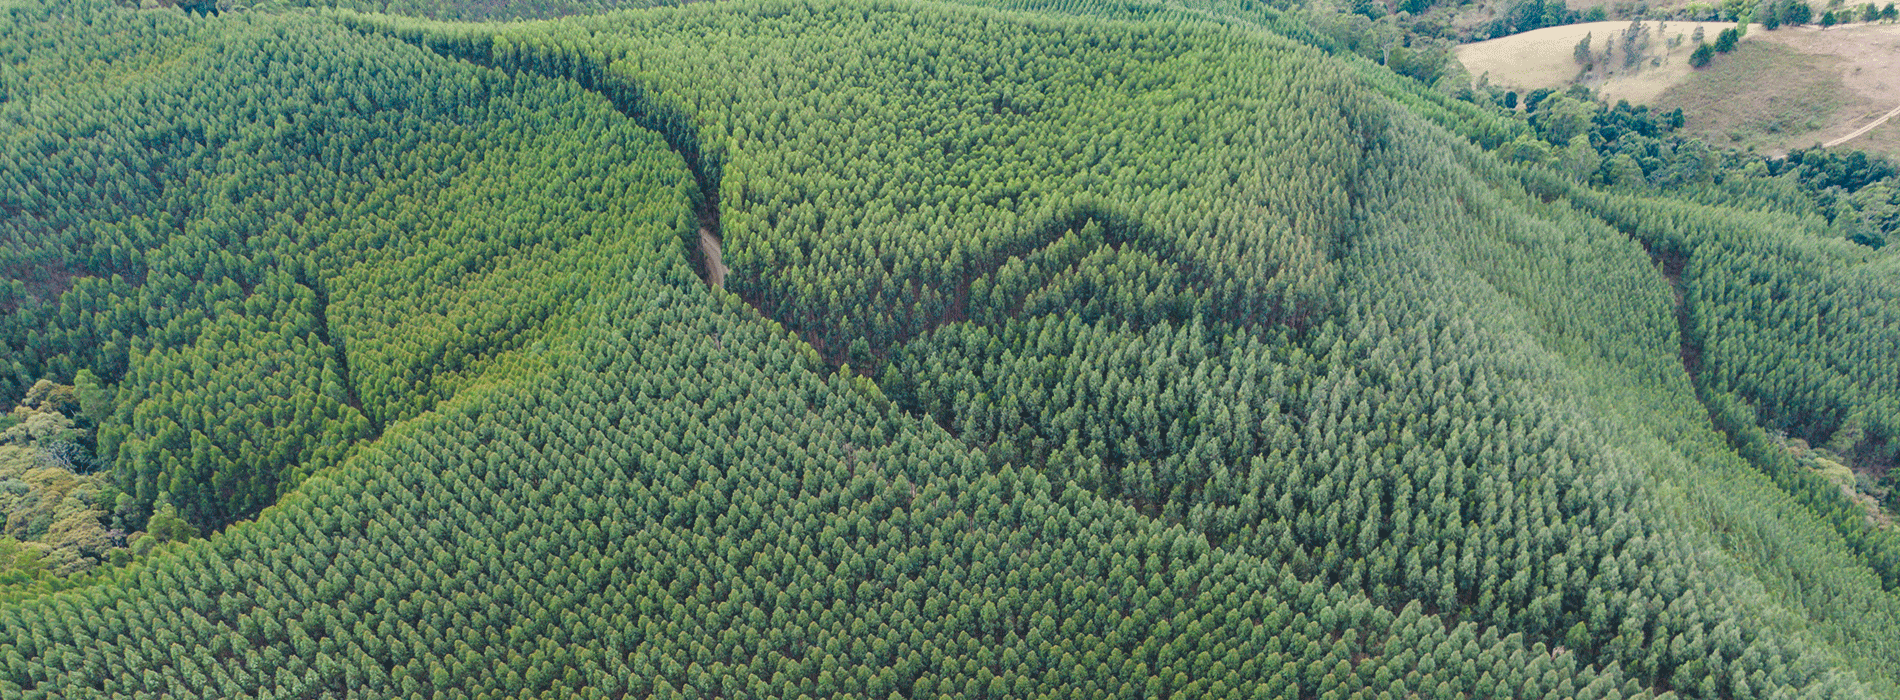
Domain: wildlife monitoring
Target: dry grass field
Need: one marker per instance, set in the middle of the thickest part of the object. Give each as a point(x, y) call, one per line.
point(1869, 65)
point(1474, 17)
point(1764, 96)
point(1545, 58)
point(1883, 139)
point(1790, 88)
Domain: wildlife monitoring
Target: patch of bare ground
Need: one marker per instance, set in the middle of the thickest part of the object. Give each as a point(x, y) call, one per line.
point(715, 264)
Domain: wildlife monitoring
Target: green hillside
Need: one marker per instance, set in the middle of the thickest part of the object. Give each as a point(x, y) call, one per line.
point(1105, 350)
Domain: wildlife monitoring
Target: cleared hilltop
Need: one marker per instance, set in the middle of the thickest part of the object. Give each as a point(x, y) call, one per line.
point(1794, 87)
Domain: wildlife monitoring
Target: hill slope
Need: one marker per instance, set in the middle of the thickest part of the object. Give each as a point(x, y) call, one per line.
point(1184, 360)
point(1794, 87)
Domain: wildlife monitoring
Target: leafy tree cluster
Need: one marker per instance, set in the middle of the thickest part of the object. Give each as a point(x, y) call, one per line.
point(1874, 491)
point(1724, 43)
point(1854, 190)
point(1612, 145)
point(1526, 15)
point(1775, 13)
point(57, 506)
point(1819, 169)
point(1772, 14)
point(1837, 194)
point(1416, 49)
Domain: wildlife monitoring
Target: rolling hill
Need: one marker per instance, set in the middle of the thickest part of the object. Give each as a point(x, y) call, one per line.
point(1069, 350)
point(1795, 87)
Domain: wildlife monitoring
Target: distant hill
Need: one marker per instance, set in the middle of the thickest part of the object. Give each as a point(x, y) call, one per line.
point(1790, 88)
point(1618, 67)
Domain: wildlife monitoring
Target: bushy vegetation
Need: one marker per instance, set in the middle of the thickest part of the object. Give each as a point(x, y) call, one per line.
point(1101, 351)
point(56, 504)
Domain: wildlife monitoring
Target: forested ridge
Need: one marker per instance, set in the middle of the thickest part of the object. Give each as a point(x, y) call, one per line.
point(1099, 350)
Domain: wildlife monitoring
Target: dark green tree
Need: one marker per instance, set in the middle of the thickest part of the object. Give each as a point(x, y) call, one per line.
point(1701, 56)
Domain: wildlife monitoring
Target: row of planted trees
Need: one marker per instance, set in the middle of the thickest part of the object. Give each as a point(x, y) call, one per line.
point(1202, 369)
point(273, 277)
point(1097, 340)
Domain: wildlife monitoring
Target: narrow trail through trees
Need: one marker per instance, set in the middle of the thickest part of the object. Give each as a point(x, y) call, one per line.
point(715, 264)
point(705, 249)
point(630, 100)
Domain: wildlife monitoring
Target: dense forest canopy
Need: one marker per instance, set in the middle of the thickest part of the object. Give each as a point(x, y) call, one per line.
point(1069, 349)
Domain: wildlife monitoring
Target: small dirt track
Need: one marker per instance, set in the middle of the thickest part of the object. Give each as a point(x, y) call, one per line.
point(1858, 132)
point(715, 265)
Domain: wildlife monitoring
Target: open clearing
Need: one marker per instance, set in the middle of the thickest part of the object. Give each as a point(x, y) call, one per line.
point(1857, 133)
point(1545, 58)
point(1734, 102)
point(1869, 67)
point(1790, 88)
point(1832, 82)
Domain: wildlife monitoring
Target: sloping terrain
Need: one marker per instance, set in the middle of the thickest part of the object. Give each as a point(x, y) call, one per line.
point(1618, 68)
point(1866, 59)
point(1794, 87)
point(1055, 357)
point(1792, 109)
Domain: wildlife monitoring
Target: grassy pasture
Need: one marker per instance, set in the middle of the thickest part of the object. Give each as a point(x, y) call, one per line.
point(1545, 58)
point(1790, 88)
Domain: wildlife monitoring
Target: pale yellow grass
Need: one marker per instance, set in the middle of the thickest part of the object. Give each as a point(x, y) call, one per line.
point(1730, 106)
point(1803, 86)
point(1545, 58)
point(1869, 64)
point(1763, 96)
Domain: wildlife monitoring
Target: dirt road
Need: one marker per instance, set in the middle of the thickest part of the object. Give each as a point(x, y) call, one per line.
point(715, 265)
point(1857, 132)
